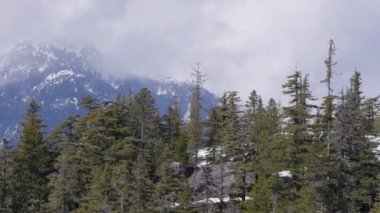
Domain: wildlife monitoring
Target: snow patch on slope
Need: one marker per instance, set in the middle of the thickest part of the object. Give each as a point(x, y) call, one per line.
point(285, 173)
point(57, 78)
point(375, 139)
point(61, 102)
point(217, 200)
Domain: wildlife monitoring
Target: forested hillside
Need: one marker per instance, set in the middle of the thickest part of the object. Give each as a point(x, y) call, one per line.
point(122, 155)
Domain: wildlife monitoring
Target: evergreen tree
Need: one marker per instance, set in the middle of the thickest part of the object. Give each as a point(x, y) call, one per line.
point(67, 186)
point(143, 113)
point(208, 187)
point(272, 118)
point(195, 125)
point(141, 196)
point(230, 145)
point(213, 125)
point(89, 103)
point(370, 109)
point(167, 187)
point(144, 125)
point(5, 176)
point(358, 169)
point(185, 198)
point(298, 113)
point(328, 105)
point(254, 108)
point(181, 151)
point(172, 123)
point(298, 128)
point(32, 164)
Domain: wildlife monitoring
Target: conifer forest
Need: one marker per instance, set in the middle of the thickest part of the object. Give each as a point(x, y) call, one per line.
point(308, 154)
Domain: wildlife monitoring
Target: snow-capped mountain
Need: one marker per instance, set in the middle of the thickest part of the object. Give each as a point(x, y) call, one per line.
point(60, 77)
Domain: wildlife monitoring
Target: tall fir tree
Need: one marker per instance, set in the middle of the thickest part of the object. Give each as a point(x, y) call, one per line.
point(67, 187)
point(32, 164)
point(230, 145)
point(5, 176)
point(298, 128)
point(195, 125)
point(213, 130)
point(370, 108)
point(328, 102)
point(358, 169)
point(171, 127)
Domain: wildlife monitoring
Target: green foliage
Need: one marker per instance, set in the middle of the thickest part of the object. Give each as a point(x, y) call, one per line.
point(5, 176)
point(195, 124)
point(32, 163)
point(122, 156)
point(181, 155)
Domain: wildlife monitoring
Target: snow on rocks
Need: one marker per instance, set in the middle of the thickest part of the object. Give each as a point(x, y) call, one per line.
point(57, 78)
point(375, 139)
point(285, 173)
point(217, 200)
point(204, 153)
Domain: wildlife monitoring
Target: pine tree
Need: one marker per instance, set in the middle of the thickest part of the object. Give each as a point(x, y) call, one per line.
point(167, 187)
point(298, 127)
point(230, 145)
point(89, 103)
point(32, 164)
point(356, 176)
point(67, 186)
point(370, 108)
point(185, 198)
point(328, 102)
point(171, 127)
point(298, 112)
point(181, 151)
point(143, 113)
point(254, 107)
point(213, 129)
point(5, 176)
point(195, 125)
point(376, 206)
point(339, 171)
point(208, 187)
point(142, 194)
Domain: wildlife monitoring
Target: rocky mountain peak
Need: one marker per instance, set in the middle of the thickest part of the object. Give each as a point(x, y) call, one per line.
point(59, 77)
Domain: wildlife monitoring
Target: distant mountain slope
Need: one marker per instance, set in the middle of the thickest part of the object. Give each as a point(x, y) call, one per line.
point(60, 77)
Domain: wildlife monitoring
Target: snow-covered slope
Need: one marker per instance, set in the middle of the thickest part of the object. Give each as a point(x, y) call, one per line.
point(60, 77)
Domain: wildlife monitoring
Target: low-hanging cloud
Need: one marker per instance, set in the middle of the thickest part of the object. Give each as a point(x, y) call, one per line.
point(241, 44)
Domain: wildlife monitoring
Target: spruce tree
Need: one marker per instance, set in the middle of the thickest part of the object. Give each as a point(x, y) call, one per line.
point(5, 176)
point(142, 194)
point(328, 102)
point(370, 108)
point(32, 164)
point(181, 151)
point(230, 146)
point(213, 127)
point(195, 125)
point(298, 128)
point(166, 190)
point(185, 198)
point(67, 188)
point(171, 126)
point(356, 176)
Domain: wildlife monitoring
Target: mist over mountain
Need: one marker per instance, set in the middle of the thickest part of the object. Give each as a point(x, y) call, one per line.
point(59, 77)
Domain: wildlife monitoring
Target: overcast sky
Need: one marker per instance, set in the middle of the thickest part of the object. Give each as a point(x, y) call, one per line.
point(241, 44)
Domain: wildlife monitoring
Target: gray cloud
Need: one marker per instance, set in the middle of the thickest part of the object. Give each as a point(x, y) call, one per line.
point(242, 44)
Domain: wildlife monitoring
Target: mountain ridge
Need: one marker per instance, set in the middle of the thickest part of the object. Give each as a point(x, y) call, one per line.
point(60, 77)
